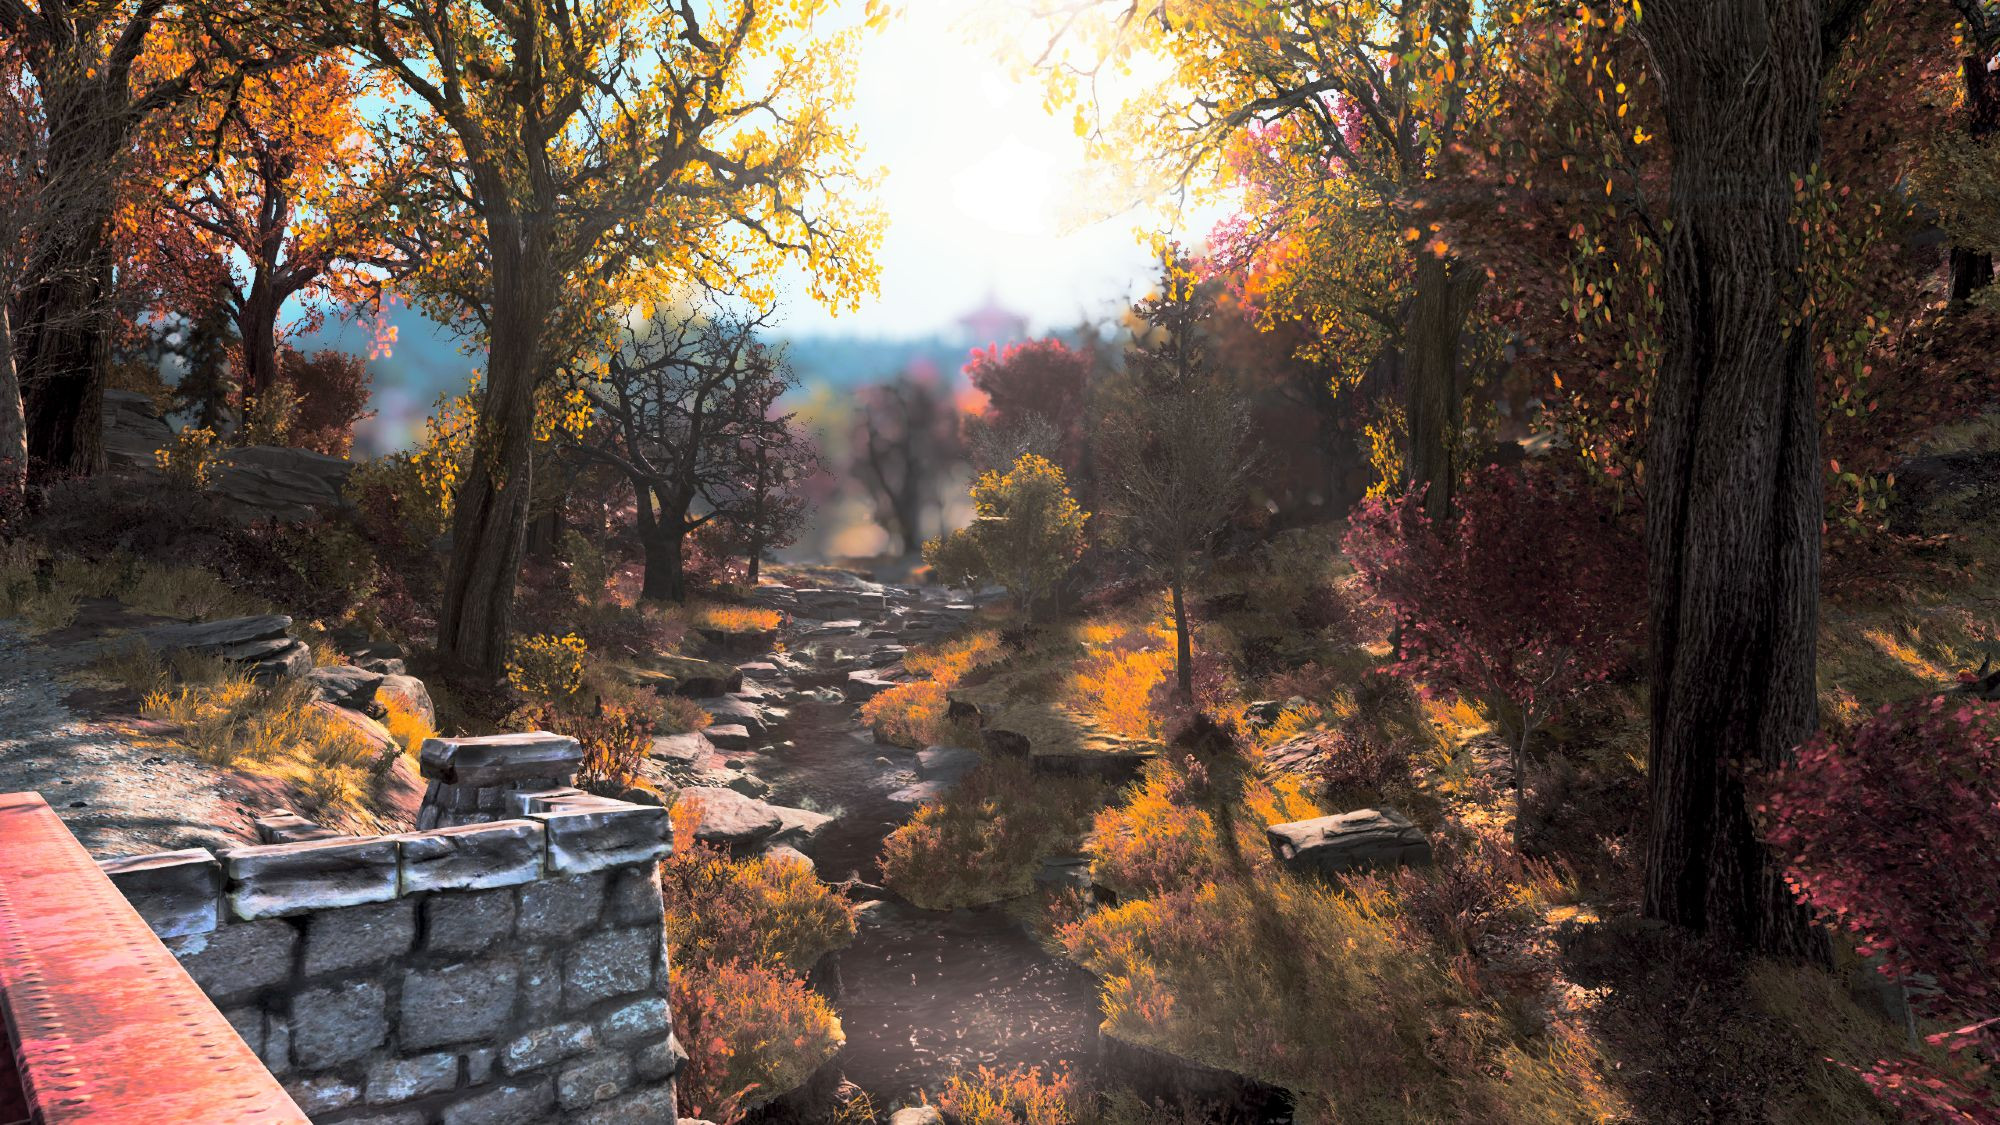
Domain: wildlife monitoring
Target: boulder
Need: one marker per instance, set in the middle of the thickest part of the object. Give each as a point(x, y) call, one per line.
point(1349, 841)
point(919, 793)
point(917, 1115)
point(732, 709)
point(684, 675)
point(798, 828)
point(863, 686)
point(745, 642)
point(133, 430)
point(748, 784)
point(411, 690)
point(784, 853)
point(213, 636)
point(270, 483)
point(947, 763)
point(729, 736)
point(690, 749)
point(731, 820)
point(344, 685)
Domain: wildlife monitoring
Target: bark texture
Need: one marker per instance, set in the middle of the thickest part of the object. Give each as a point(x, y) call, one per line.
point(1433, 391)
point(1733, 490)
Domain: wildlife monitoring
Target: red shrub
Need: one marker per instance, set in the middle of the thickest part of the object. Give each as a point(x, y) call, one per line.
point(1529, 592)
point(332, 390)
point(1889, 832)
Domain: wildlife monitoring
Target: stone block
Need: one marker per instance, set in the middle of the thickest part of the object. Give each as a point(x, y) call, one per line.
point(249, 1025)
point(355, 936)
point(613, 963)
point(584, 1084)
point(323, 1093)
point(728, 736)
point(530, 798)
point(468, 922)
point(277, 1053)
point(282, 879)
point(654, 1106)
point(1349, 841)
point(492, 759)
point(545, 1046)
point(660, 1059)
point(393, 1081)
point(282, 826)
point(177, 893)
point(479, 1065)
point(460, 1003)
point(541, 980)
point(472, 857)
point(525, 1103)
point(560, 909)
point(635, 896)
point(239, 959)
point(338, 1023)
point(598, 837)
point(640, 1019)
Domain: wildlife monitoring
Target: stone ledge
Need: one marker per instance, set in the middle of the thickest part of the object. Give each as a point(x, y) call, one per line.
point(177, 893)
point(280, 879)
point(584, 838)
point(472, 857)
point(493, 759)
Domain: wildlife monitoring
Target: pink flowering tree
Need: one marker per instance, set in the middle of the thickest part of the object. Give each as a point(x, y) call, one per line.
point(1528, 592)
point(1890, 832)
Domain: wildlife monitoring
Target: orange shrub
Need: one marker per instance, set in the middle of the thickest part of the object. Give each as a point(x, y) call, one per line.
point(911, 714)
point(679, 715)
point(1020, 1096)
point(947, 661)
point(736, 618)
point(1113, 685)
point(1160, 840)
point(769, 911)
point(751, 1031)
point(615, 737)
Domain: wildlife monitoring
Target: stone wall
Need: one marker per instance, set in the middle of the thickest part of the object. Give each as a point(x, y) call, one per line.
point(486, 974)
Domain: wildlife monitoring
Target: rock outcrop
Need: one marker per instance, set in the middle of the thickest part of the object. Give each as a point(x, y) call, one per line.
point(1349, 841)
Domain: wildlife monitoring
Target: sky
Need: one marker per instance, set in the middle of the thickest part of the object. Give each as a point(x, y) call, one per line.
point(981, 187)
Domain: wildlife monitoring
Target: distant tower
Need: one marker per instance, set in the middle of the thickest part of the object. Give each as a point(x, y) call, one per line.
point(992, 324)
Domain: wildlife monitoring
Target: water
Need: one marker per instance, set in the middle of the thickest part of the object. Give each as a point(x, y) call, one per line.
point(926, 993)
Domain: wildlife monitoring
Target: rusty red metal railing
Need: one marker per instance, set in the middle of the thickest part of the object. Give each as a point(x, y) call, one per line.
point(104, 1026)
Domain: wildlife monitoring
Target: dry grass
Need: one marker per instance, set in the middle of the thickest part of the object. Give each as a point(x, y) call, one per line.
point(406, 724)
point(226, 719)
point(735, 618)
point(985, 839)
point(1112, 684)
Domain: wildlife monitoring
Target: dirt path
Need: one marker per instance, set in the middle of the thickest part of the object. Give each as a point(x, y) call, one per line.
point(117, 797)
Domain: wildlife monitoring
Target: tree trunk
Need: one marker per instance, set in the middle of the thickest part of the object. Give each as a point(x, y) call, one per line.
point(1733, 492)
point(257, 324)
point(490, 524)
point(1433, 392)
point(1972, 270)
point(63, 353)
point(13, 424)
point(666, 564)
point(756, 554)
point(1183, 651)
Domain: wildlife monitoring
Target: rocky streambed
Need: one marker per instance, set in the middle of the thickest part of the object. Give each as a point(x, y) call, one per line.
point(789, 766)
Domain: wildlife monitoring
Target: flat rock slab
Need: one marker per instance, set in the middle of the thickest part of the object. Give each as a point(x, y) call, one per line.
point(210, 636)
point(863, 686)
point(690, 749)
point(492, 759)
point(799, 827)
point(729, 736)
point(345, 685)
point(730, 709)
point(947, 763)
point(920, 793)
point(1349, 841)
point(731, 820)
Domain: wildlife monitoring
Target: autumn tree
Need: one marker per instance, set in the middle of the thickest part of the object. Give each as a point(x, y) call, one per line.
point(569, 156)
point(1339, 112)
point(1733, 492)
point(1035, 402)
point(905, 442)
point(771, 506)
point(277, 187)
point(1026, 533)
point(1175, 445)
point(685, 409)
point(102, 74)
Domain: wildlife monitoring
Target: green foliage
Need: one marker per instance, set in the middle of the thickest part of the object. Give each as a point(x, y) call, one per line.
point(1026, 533)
